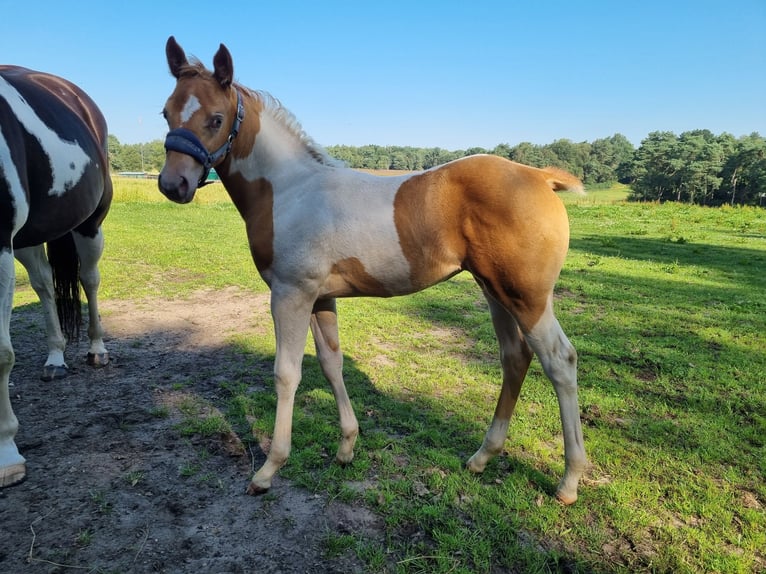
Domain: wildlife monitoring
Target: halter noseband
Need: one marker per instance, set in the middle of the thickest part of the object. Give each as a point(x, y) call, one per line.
point(185, 141)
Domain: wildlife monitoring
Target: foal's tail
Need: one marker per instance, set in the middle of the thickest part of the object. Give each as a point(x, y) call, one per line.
point(65, 263)
point(561, 180)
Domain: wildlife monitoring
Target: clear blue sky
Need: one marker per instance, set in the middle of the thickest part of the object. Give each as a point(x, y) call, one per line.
point(452, 74)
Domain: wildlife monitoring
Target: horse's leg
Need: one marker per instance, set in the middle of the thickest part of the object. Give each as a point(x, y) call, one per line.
point(12, 467)
point(515, 357)
point(291, 310)
point(89, 250)
point(324, 328)
point(559, 361)
point(41, 278)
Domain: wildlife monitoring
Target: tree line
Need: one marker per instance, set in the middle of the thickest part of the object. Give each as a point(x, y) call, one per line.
point(699, 167)
point(143, 157)
point(694, 167)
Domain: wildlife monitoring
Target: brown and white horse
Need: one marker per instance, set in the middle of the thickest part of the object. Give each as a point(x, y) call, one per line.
point(319, 231)
point(54, 189)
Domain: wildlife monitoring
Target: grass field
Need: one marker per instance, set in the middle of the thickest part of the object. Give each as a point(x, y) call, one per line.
point(666, 305)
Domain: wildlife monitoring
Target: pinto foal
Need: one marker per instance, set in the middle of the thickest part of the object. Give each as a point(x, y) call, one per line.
point(318, 231)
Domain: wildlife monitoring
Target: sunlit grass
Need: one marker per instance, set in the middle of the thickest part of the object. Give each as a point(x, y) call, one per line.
point(135, 190)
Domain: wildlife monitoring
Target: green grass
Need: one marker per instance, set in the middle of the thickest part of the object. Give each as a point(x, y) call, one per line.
point(667, 307)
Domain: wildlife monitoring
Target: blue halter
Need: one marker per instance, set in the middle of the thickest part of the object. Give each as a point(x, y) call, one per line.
point(186, 141)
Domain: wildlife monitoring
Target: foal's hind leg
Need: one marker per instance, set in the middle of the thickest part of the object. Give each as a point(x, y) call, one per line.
point(41, 278)
point(515, 356)
point(324, 328)
point(89, 249)
point(559, 361)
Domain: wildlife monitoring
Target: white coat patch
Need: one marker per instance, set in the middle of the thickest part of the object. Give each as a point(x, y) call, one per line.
point(14, 185)
point(191, 106)
point(67, 159)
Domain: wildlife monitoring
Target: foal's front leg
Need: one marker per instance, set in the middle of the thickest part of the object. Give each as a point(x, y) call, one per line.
point(290, 310)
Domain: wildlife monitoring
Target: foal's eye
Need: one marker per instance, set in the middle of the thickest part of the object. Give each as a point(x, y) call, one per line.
point(216, 122)
point(164, 114)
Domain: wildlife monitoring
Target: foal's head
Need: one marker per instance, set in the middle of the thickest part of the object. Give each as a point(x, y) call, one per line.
point(203, 113)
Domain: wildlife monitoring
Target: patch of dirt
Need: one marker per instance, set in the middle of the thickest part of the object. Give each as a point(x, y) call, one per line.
point(112, 484)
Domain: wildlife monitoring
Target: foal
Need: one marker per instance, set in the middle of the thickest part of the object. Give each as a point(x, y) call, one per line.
point(318, 231)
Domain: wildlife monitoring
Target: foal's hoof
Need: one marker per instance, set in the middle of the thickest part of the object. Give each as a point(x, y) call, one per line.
point(475, 464)
point(98, 359)
point(254, 489)
point(566, 498)
point(54, 372)
point(13, 474)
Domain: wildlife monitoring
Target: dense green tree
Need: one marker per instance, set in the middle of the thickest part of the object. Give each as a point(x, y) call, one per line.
point(699, 167)
point(144, 157)
point(570, 156)
point(653, 169)
point(609, 160)
point(475, 151)
point(437, 156)
point(698, 160)
point(114, 148)
point(744, 172)
point(399, 160)
point(503, 150)
point(153, 155)
point(534, 155)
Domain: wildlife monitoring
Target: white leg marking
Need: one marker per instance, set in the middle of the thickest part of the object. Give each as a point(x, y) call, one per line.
point(41, 278)
point(89, 250)
point(67, 159)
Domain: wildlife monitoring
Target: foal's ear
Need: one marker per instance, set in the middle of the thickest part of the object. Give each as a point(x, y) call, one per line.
point(223, 67)
point(176, 57)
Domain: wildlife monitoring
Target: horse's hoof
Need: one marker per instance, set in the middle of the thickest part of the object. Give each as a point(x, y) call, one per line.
point(254, 490)
point(53, 372)
point(98, 359)
point(475, 464)
point(566, 498)
point(13, 474)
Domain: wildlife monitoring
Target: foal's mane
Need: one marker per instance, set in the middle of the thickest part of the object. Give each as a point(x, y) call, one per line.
point(285, 117)
point(271, 106)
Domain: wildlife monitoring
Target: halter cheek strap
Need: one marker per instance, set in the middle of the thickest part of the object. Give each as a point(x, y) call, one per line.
point(186, 141)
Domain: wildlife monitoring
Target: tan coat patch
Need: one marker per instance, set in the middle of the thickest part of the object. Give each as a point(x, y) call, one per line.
point(497, 219)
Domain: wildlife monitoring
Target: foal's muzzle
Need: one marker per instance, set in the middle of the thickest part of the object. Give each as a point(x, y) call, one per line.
point(186, 142)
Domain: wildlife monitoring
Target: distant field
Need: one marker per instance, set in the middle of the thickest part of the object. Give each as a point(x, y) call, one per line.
point(666, 305)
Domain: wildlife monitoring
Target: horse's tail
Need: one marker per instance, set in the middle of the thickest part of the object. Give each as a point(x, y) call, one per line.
point(561, 180)
point(65, 263)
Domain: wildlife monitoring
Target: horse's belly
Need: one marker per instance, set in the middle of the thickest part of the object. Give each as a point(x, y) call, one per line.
point(353, 276)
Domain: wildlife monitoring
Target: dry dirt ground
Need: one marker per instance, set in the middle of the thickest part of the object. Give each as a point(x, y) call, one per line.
point(109, 488)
